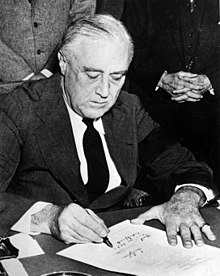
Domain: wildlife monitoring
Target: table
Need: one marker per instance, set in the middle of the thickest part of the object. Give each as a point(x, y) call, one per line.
point(37, 265)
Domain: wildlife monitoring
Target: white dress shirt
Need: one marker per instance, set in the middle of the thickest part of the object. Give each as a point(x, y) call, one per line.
point(79, 128)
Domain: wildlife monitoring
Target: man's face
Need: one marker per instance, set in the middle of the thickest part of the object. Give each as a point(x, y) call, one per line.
point(94, 75)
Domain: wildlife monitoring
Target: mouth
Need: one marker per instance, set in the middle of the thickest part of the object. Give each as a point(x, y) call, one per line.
point(100, 104)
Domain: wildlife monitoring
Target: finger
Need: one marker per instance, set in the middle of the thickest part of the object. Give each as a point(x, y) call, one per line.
point(181, 98)
point(87, 231)
point(184, 98)
point(83, 223)
point(90, 222)
point(97, 219)
point(192, 100)
point(171, 231)
point(185, 235)
point(188, 86)
point(152, 213)
point(186, 75)
point(194, 95)
point(70, 236)
point(195, 230)
point(206, 229)
point(73, 229)
point(181, 91)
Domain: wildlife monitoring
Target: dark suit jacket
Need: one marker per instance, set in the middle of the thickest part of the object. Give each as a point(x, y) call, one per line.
point(167, 36)
point(38, 158)
point(164, 39)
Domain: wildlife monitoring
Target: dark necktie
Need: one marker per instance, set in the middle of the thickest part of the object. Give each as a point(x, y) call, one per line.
point(98, 174)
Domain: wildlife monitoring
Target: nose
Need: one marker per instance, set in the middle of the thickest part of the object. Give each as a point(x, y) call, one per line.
point(103, 88)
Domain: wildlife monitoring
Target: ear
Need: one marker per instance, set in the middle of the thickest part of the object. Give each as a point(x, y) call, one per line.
point(62, 62)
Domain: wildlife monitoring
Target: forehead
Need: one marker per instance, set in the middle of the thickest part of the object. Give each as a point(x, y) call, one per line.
point(102, 53)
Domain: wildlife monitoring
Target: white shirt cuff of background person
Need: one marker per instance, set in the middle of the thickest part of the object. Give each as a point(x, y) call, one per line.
point(45, 72)
point(24, 223)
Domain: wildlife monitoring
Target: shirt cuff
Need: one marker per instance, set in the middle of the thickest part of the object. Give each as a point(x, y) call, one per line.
point(209, 194)
point(28, 77)
point(46, 73)
point(211, 91)
point(24, 223)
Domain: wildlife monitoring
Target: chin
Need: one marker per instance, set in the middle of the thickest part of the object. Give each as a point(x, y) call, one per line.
point(94, 114)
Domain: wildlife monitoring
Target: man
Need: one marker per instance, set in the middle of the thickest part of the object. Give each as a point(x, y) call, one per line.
point(177, 65)
point(30, 31)
point(44, 154)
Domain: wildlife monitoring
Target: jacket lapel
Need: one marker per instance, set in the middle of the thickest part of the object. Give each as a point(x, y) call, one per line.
point(119, 137)
point(56, 142)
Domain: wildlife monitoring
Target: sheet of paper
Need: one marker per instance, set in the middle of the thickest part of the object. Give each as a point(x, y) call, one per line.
point(143, 250)
point(26, 245)
point(14, 267)
point(219, 204)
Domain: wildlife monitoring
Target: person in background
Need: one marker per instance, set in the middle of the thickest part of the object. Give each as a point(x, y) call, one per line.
point(115, 8)
point(30, 31)
point(177, 68)
point(74, 144)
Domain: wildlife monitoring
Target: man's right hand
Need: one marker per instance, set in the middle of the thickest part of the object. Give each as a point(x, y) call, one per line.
point(72, 224)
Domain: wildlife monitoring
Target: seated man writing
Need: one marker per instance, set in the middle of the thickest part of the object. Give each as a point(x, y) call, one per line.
point(69, 145)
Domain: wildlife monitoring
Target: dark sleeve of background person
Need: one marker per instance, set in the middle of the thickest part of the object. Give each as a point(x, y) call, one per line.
point(52, 63)
point(145, 69)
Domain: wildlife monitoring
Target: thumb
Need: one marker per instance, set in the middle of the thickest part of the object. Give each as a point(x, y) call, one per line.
point(183, 75)
point(152, 213)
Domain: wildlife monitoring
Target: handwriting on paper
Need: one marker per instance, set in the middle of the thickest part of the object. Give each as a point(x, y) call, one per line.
point(138, 236)
point(126, 246)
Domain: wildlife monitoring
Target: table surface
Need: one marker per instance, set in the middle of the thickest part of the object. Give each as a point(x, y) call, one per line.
point(50, 261)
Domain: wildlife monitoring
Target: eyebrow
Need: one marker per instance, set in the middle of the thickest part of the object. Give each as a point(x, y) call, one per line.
point(91, 69)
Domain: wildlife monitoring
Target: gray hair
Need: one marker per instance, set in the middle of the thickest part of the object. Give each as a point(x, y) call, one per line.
point(97, 26)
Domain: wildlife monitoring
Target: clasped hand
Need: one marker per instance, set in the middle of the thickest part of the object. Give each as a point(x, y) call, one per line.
point(185, 86)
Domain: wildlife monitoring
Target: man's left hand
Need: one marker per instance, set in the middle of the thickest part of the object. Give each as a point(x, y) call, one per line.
point(180, 215)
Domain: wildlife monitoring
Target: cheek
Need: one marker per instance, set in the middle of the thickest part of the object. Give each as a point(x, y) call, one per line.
point(115, 90)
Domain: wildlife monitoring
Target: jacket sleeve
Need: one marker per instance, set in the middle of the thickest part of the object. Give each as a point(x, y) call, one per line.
point(81, 8)
point(167, 164)
point(12, 206)
point(12, 66)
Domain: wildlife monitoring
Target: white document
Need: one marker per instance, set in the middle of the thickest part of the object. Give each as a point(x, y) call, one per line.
point(26, 245)
point(142, 250)
point(14, 267)
point(219, 204)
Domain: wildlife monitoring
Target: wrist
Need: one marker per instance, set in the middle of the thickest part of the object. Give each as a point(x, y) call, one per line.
point(43, 220)
point(161, 81)
point(193, 194)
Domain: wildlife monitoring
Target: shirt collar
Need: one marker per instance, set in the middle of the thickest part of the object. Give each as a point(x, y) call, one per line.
point(77, 119)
